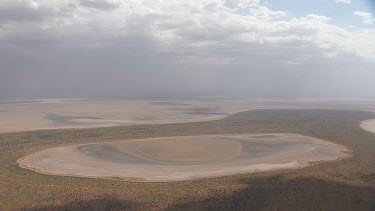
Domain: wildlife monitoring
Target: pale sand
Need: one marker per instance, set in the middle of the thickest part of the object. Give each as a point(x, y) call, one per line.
point(54, 114)
point(183, 158)
point(23, 115)
point(368, 125)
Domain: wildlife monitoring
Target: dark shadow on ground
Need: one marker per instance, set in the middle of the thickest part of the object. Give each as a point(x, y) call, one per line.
point(276, 193)
point(261, 193)
point(108, 203)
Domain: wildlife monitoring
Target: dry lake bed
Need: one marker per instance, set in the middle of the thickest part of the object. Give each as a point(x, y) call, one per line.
point(23, 115)
point(183, 158)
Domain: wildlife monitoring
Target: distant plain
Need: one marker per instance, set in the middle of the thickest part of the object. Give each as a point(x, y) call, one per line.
point(24, 115)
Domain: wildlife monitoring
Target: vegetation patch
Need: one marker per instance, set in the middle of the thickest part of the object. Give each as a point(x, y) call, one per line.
point(347, 184)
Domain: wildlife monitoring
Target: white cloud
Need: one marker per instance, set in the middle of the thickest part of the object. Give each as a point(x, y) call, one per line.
point(204, 29)
point(262, 12)
point(194, 23)
point(197, 25)
point(240, 3)
point(317, 17)
point(366, 17)
point(343, 1)
point(101, 4)
point(33, 10)
point(174, 41)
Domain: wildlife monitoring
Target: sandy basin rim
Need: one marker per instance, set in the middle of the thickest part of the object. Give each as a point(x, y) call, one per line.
point(347, 152)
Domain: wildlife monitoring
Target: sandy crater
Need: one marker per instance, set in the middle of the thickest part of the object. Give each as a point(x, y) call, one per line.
point(183, 158)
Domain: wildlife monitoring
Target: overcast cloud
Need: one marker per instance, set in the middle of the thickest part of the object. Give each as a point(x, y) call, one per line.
point(51, 48)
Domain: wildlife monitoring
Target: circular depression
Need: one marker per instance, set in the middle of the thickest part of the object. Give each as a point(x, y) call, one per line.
point(183, 158)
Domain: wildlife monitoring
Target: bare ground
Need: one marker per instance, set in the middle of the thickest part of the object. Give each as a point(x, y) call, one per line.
point(24, 115)
point(184, 158)
point(368, 125)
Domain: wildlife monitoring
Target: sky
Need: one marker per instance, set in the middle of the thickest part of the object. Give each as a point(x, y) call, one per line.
point(169, 48)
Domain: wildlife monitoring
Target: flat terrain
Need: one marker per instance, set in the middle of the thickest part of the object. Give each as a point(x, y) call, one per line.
point(24, 115)
point(67, 113)
point(346, 184)
point(183, 158)
point(368, 125)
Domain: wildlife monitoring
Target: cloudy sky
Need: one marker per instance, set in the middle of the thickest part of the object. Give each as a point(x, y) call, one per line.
point(253, 48)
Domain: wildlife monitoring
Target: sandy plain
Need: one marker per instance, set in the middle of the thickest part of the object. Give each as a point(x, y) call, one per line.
point(183, 158)
point(23, 115)
point(368, 125)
